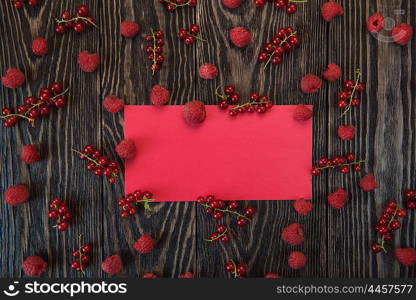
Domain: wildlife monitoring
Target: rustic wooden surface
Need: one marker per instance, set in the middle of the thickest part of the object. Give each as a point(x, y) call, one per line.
point(337, 242)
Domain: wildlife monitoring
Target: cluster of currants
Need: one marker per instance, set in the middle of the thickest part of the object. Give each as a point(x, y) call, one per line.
point(222, 234)
point(192, 36)
point(343, 163)
point(155, 50)
point(61, 213)
point(289, 5)
point(81, 256)
point(347, 97)
point(410, 195)
point(129, 203)
point(77, 22)
point(172, 5)
point(236, 270)
point(19, 3)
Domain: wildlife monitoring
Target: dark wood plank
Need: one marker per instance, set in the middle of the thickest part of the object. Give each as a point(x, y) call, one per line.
point(126, 73)
point(259, 245)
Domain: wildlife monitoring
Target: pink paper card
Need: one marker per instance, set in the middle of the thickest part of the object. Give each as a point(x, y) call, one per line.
point(249, 157)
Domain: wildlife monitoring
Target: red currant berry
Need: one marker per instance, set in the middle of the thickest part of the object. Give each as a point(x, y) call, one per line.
point(53, 214)
point(214, 237)
point(316, 171)
point(395, 225)
point(401, 213)
point(250, 211)
point(349, 84)
point(83, 10)
point(376, 248)
point(242, 222)
point(225, 238)
point(230, 267)
point(194, 29)
point(221, 228)
point(62, 226)
point(86, 249)
point(75, 264)
point(345, 169)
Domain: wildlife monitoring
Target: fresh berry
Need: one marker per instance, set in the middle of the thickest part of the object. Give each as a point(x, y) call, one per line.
point(302, 113)
point(88, 62)
point(145, 244)
point(149, 276)
point(208, 71)
point(187, 275)
point(192, 36)
point(303, 206)
point(331, 9)
point(113, 104)
point(368, 183)
point(240, 37)
point(293, 234)
point(172, 5)
point(34, 266)
point(129, 29)
point(338, 199)
point(271, 275)
point(310, 84)
point(14, 78)
point(16, 195)
point(159, 95)
point(297, 260)
point(232, 3)
point(77, 22)
point(155, 50)
point(348, 97)
point(82, 256)
point(332, 73)
point(40, 46)
point(194, 112)
point(406, 256)
point(346, 133)
point(402, 34)
point(375, 23)
point(30, 154)
point(112, 264)
point(126, 149)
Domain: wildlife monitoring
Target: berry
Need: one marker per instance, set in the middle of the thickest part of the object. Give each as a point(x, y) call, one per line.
point(112, 264)
point(331, 9)
point(129, 29)
point(302, 113)
point(13, 78)
point(376, 247)
point(401, 213)
point(30, 154)
point(346, 133)
point(113, 104)
point(406, 256)
point(303, 206)
point(293, 234)
point(34, 266)
point(155, 53)
point(159, 95)
point(149, 276)
point(194, 112)
point(332, 73)
point(18, 4)
point(240, 37)
point(88, 62)
point(145, 244)
point(310, 84)
point(187, 275)
point(40, 46)
point(232, 3)
point(208, 71)
point(338, 199)
point(271, 275)
point(402, 34)
point(16, 195)
point(368, 183)
point(242, 222)
point(297, 260)
point(126, 149)
point(375, 23)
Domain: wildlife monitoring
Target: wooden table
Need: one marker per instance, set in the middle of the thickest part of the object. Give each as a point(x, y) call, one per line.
point(337, 241)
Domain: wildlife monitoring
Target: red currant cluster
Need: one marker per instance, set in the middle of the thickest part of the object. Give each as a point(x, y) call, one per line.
point(237, 271)
point(411, 199)
point(61, 213)
point(222, 234)
point(155, 51)
point(343, 163)
point(20, 3)
point(78, 22)
point(285, 40)
point(129, 203)
point(172, 5)
point(346, 97)
point(257, 103)
point(35, 107)
point(289, 5)
point(99, 164)
point(387, 224)
point(217, 208)
point(192, 36)
point(82, 258)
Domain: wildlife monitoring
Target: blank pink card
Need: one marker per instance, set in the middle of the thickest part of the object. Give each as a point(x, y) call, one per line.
point(249, 157)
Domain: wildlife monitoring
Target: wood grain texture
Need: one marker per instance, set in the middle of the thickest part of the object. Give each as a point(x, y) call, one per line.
point(337, 242)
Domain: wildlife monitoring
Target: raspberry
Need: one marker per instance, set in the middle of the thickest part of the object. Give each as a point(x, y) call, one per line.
point(208, 71)
point(126, 149)
point(13, 78)
point(194, 112)
point(187, 275)
point(402, 34)
point(297, 260)
point(240, 36)
point(303, 206)
point(129, 29)
point(30, 154)
point(331, 9)
point(338, 199)
point(375, 23)
point(346, 133)
point(368, 183)
point(113, 104)
point(145, 244)
point(159, 95)
point(406, 256)
point(310, 84)
point(112, 264)
point(302, 113)
point(293, 234)
point(332, 73)
point(272, 275)
point(149, 275)
point(40, 46)
point(232, 3)
point(88, 62)
point(16, 195)
point(34, 266)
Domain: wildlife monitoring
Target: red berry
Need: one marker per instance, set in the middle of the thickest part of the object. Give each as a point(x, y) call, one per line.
point(401, 213)
point(83, 10)
point(250, 211)
point(242, 222)
point(376, 248)
point(62, 226)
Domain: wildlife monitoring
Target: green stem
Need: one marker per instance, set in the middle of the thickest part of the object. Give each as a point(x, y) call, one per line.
point(17, 115)
point(41, 102)
point(235, 274)
point(199, 38)
point(249, 104)
point(341, 165)
point(225, 97)
point(80, 253)
point(388, 225)
point(154, 51)
point(227, 211)
point(178, 5)
point(298, 1)
point(357, 81)
point(218, 237)
point(281, 43)
point(75, 19)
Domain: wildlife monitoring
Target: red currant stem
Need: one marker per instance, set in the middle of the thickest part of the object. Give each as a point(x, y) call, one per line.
point(91, 160)
point(234, 273)
point(18, 115)
point(281, 43)
point(178, 5)
point(145, 201)
point(388, 225)
point(357, 81)
point(298, 1)
point(199, 38)
point(225, 97)
point(80, 252)
point(154, 51)
point(248, 104)
point(341, 165)
point(75, 19)
point(42, 102)
point(227, 211)
point(218, 237)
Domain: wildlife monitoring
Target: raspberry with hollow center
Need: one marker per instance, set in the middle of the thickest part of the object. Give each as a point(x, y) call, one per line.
point(406, 256)
point(330, 10)
point(375, 23)
point(303, 206)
